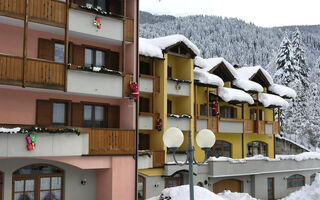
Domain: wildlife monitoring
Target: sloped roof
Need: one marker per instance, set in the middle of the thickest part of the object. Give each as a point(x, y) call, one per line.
point(248, 73)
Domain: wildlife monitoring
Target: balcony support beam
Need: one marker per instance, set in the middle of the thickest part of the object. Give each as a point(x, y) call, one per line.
point(66, 46)
point(25, 42)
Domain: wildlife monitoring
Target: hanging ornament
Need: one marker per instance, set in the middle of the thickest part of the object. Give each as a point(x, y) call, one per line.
point(178, 86)
point(215, 108)
point(31, 142)
point(159, 124)
point(134, 90)
point(97, 22)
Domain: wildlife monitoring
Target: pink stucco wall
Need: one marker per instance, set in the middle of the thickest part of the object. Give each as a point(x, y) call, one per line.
point(18, 106)
point(118, 182)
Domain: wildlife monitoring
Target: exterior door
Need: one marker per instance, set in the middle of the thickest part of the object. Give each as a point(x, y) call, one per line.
point(229, 184)
point(270, 188)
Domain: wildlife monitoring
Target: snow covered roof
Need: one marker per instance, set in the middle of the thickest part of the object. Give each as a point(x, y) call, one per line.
point(282, 91)
point(230, 94)
point(247, 73)
point(204, 77)
point(272, 100)
point(247, 85)
point(210, 63)
point(154, 47)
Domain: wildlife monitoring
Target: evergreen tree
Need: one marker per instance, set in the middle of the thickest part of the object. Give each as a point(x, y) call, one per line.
point(300, 58)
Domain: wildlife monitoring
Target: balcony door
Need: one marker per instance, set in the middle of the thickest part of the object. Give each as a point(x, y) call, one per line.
point(1, 185)
point(38, 182)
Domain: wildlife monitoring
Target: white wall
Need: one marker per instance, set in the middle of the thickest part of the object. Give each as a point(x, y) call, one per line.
point(184, 91)
point(146, 85)
point(230, 127)
point(82, 22)
point(94, 83)
point(268, 128)
point(145, 162)
point(72, 177)
point(181, 123)
point(146, 122)
point(66, 144)
point(202, 124)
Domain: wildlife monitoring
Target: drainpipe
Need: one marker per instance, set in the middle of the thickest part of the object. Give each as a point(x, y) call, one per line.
point(137, 103)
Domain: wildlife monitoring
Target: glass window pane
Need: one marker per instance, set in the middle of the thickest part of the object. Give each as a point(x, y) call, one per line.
point(56, 183)
point(100, 58)
point(59, 53)
point(45, 184)
point(101, 4)
point(59, 114)
point(19, 186)
point(87, 119)
point(88, 57)
point(56, 195)
point(99, 116)
point(18, 196)
point(45, 195)
point(29, 196)
point(29, 185)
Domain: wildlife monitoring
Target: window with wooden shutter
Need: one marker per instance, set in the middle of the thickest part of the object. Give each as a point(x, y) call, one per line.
point(114, 62)
point(44, 112)
point(77, 114)
point(113, 116)
point(144, 141)
point(78, 55)
point(144, 104)
point(46, 49)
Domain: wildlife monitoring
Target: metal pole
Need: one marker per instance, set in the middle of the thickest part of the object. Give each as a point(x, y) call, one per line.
point(190, 160)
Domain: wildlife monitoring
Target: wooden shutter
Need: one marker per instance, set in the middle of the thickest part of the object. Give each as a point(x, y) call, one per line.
point(114, 61)
point(46, 49)
point(77, 114)
point(113, 116)
point(78, 55)
point(107, 59)
point(44, 112)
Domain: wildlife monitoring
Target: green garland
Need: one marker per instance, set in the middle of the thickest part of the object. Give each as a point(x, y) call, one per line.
point(103, 70)
point(100, 11)
point(145, 154)
point(180, 81)
point(45, 130)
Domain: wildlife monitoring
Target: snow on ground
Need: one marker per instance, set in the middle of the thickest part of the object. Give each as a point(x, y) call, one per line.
point(228, 195)
point(307, 192)
point(300, 157)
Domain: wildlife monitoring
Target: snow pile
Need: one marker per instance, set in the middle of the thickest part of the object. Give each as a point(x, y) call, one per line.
point(10, 130)
point(309, 192)
point(300, 157)
point(282, 91)
point(154, 47)
point(149, 50)
point(272, 100)
point(207, 78)
point(230, 94)
point(247, 73)
point(210, 63)
point(242, 160)
point(247, 85)
point(228, 195)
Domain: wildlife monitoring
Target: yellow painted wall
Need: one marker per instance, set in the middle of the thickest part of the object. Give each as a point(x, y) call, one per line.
point(266, 138)
point(181, 67)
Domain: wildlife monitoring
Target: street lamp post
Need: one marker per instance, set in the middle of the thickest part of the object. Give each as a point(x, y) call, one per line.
point(173, 139)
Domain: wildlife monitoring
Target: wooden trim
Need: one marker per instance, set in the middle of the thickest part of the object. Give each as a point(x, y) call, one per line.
point(258, 115)
point(208, 94)
point(231, 119)
point(147, 76)
point(147, 114)
point(195, 107)
point(66, 47)
point(25, 43)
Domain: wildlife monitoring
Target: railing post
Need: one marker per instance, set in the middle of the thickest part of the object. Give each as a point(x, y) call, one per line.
point(25, 43)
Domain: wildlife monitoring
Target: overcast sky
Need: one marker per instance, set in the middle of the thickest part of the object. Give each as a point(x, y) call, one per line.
point(266, 13)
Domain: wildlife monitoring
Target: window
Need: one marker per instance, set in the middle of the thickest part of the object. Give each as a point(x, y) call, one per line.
point(228, 112)
point(253, 114)
point(141, 188)
point(94, 116)
point(296, 180)
point(145, 68)
point(312, 178)
point(34, 181)
point(256, 148)
point(144, 141)
point(59, 52)
point(88, 57)
point(169, 72)
point(203, 109)
point(59, 114)
point(100, 58)
point(144, 104)
point(174, 181)
point(271, 188)
point(169, 106)
point(221, 148)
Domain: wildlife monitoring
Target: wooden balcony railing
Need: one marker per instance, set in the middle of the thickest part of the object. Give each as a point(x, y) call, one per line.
point(44, 74)
point(158, 158)
point(106, 141)
point(213, 124)
point(11, 68)
point(129, 30)
point(276, 128)
point(50, 12)
point(249, 126)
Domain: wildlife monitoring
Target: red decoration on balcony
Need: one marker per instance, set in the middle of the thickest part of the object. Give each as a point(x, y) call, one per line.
point(159, 124)
point(215, 108)
point(31, 139)
point(134, 90)
point(97, 22)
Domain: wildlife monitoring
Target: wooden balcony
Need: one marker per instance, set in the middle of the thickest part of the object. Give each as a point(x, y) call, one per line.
point(213, 124)
point(50, 12)
point(110, 141)
point(158, 158)
point(250, 126)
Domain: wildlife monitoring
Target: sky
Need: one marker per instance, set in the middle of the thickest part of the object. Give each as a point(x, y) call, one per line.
point(265, 13)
